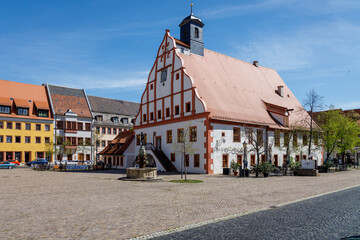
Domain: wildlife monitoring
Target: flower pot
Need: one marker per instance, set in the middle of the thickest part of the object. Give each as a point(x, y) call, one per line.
point(235, 173)
point(247, 173)
point(226, 171)
point(266, 174)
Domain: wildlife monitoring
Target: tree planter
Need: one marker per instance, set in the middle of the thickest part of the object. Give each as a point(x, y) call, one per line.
point(247, 173)
point(235, 173)
point(266, 174)
point(226, 171)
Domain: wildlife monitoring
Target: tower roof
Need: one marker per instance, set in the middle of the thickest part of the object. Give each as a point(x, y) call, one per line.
point(191, 18)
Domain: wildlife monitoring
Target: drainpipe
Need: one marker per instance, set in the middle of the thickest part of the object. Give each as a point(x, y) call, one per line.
point(267, 143)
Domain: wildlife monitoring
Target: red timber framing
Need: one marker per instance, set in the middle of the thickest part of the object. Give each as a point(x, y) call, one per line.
point(151, 98)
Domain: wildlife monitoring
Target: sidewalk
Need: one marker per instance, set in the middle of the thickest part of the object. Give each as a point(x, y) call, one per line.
point(95, 205)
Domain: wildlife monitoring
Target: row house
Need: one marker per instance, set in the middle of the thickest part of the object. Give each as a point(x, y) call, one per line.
point(73, 121)
point(219, 103)
point(112, 117)
point(26, 122)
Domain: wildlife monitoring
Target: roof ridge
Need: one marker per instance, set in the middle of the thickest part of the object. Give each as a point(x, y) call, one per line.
point(81, 89)
point(113, 99)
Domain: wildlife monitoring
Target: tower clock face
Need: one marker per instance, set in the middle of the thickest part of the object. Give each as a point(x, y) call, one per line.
point(163, 75)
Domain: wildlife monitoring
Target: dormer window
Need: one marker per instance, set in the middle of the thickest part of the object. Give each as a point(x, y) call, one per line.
point(115, 119)
point(5, 109)
point(125, 120)
point(99, 118)
point(43, 113)
point(23, 111)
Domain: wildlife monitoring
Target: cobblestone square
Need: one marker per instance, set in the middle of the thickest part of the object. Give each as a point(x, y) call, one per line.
point(95, 205)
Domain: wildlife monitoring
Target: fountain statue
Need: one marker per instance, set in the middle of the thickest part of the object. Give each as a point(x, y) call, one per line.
point(140, 171)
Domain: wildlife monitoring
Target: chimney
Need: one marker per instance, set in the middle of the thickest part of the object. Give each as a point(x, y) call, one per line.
point(256, 63)
point(281, 91)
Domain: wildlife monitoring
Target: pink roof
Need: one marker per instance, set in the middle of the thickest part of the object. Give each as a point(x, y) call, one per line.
point(236, 90)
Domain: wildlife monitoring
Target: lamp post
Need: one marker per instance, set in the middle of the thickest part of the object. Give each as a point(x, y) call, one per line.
point(245, 158)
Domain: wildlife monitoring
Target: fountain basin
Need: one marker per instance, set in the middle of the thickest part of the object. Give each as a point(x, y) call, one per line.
point(141, 173)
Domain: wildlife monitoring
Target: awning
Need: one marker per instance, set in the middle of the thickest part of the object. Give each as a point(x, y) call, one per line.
point(41, 105)
point(21, 103)
point(5, 101)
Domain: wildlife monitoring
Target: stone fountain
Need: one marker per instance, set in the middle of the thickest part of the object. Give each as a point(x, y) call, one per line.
point(141, 172)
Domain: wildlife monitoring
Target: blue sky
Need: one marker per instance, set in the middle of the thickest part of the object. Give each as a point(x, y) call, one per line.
point(109, 46)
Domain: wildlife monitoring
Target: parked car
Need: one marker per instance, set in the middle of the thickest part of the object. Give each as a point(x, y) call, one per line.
point(8, 165)
point(37, 161)
point(16, 162)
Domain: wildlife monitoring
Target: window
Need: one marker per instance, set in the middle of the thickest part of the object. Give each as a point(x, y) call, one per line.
point(80, 141)
point(151, 116)
point(144, 117)
point(103, 143)
point(159, 114)
point(252, 160)
point(125, 120)
point(193, 135)
point(138, 139)
point(5, 109)
point(276, 160)
point(18, 126)
point(37, 139)
point(196, 160)
point(47, 140)
point(17, 139)
point(249, 135)
point(151, 87)
point(304, 157)
point(103, 130)
point(305, 139)
point(98, 130)
point(23, 111)
point(99, 118)
point(180, 133)
point(109, 131)
point(259, 137)
point(114, 131)
point(239, 159)
point(38, 127)
point(60, 125)
point(87, 157)
point(177, 76)
point(295, 143)
point(27, 139)
point(9, 125)
point(172, 157)
point(1, 124)
point(284, 159)
point(297, 158)
point(163, 75)
point(87, 126)
point(286, 139)
point(167, 112)
point(262, 158)
point(9, 139)
point(177, 111)
point(169, 136)
point(222, 134)
point(277, 138)
point(225, 160)
point(187, 164)
point(59, 140)
point(47, 128)
point(188, 107)
point(79, 126)
point(115, 119)
point(43, 113)
point(236, 134)
point(87, 141)
point(1, 138)
point(196, 33)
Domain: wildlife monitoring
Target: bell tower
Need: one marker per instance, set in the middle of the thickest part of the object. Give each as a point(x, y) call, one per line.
point(191, 33)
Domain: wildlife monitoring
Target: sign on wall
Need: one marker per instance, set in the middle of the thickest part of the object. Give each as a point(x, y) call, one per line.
point(307, 164)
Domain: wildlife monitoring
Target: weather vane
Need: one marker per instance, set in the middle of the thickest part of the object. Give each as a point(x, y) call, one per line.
point(192, 4)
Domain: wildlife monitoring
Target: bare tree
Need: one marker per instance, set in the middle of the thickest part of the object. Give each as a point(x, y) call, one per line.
point(183, 146)
point(256, 140)
point(313, 102)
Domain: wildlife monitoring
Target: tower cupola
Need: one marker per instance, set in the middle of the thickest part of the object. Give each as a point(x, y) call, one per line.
point(191, 33)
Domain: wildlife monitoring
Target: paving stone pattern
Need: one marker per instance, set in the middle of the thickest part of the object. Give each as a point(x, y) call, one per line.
point(332, 216)
point(95, 205)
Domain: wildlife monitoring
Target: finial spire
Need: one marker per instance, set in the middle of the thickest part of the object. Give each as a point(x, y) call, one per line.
point(192, 4)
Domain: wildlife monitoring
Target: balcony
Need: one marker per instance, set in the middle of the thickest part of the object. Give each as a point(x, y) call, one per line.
point(70, 130)
point(73, 147)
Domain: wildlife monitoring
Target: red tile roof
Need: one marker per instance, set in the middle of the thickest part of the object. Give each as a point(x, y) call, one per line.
point(119, 144)
point(238, 91)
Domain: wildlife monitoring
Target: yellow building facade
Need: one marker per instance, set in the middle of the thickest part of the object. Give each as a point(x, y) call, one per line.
point(26, 122)
point(25, 140)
